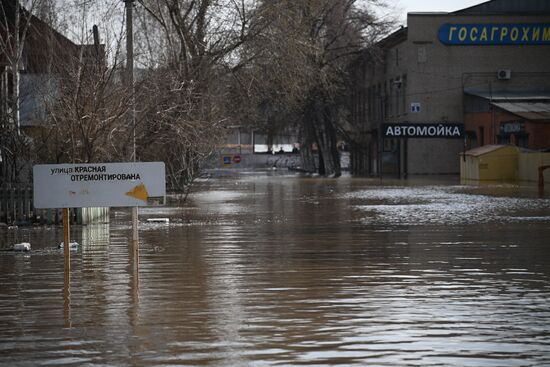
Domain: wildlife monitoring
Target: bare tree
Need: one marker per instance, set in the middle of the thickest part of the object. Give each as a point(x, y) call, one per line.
point(201, 65)
point(190, 48)
point(15, 25)
point(304, 55)
point(83, 98)
point(76, 102)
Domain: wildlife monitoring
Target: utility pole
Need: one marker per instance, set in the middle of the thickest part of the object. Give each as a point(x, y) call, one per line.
point(129, 4)
point(130, 67)
point(15, 67)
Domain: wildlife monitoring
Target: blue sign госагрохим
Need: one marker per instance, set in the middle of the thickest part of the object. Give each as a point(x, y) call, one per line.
point(495, 34)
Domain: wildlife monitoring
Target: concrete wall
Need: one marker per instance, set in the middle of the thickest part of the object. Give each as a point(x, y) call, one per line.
point(429, 156)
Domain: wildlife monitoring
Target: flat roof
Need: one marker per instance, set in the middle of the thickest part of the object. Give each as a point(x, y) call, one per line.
point(509, 95)
point(428, 13)
point(534, 111)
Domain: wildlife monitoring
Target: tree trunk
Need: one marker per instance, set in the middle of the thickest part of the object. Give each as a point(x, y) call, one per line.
point(328, 148)
point(326, 140)
point(309, 138)
point(308, 158)
point(359, 158)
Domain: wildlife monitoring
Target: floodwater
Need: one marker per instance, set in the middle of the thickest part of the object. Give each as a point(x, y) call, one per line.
point(260, 269)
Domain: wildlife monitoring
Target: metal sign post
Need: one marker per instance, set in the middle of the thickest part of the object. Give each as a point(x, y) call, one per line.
point(67, 261)
point(135, 235)
point(66, 239)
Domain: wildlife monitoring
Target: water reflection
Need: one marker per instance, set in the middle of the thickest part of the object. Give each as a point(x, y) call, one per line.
point(270, 270)
point(67, 297)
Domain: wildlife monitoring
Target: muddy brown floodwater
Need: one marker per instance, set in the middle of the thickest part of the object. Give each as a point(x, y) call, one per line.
point(263, 269)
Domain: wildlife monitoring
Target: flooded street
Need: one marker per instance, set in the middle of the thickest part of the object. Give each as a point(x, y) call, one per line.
point(269, 269)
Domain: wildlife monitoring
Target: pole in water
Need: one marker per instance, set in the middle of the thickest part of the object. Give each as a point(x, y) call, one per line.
point(135, 233)
point(132, 112)
point(67, 259)
point(66, 240)
point(67, 298)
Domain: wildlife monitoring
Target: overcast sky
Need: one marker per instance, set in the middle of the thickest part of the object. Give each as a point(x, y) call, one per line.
point(436, 5)
point(407, 6)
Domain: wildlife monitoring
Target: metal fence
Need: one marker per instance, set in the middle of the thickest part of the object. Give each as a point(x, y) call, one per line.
point(16, 208)
point(16, 204)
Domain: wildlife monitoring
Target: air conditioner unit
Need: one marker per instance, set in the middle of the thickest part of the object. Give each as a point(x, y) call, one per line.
point(504, 74)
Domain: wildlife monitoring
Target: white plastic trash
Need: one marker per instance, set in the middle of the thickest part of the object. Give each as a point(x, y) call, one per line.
point(158, 220)
point(24, 246)
point(72, 245)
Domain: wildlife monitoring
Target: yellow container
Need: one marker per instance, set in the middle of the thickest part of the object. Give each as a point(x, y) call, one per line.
point(490, 163)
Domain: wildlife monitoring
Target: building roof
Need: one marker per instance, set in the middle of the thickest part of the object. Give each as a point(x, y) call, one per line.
point(507, 7)
point(533, 106)
point(509, 95)
point(394, 38)
point(534, 111)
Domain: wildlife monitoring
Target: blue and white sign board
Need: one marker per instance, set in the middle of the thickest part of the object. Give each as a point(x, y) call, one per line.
point(415, 107)
point(99, 185)
point(495, 34)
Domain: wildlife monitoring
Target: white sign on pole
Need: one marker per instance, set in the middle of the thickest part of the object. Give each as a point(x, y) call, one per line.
point(99, 184)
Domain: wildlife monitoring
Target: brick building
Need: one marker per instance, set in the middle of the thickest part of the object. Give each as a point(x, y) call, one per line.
point(453, 81)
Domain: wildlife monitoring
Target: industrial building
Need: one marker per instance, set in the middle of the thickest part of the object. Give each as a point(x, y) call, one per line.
point(449, 82)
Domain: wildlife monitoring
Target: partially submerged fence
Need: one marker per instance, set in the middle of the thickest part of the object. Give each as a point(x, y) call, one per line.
point(16, 207)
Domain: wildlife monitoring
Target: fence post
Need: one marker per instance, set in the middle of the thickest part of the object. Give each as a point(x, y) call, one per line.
point(16, 204)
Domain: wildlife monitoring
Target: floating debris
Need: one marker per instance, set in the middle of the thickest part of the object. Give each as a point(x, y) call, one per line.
point(158, 220)
point(72, 245)
point(23, 246)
